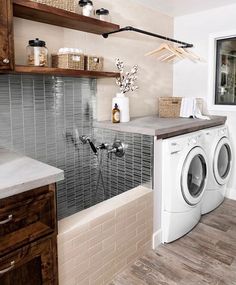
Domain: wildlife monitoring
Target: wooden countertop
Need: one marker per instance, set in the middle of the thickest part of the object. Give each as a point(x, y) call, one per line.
point(162, 128)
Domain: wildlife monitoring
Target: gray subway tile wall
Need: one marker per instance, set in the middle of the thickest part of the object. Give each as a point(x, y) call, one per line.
point(36, 114)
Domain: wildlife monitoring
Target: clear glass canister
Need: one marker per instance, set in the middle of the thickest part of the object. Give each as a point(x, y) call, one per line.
point(86, 8)
point(103, 15)
point(37, 53)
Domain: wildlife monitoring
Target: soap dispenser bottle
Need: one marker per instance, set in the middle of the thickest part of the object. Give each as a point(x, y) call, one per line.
point(115, 114)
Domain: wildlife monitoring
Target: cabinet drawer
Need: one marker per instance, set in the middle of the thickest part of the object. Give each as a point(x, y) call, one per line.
point(33, 264)
point(26, 217)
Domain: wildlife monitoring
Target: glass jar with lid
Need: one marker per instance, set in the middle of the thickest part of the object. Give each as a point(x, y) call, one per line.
point(86, 8)
point(37, 53)
point(103, 15)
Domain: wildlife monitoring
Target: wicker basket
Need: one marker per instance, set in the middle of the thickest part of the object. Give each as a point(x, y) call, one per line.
point(68, 5)
point(169, 107)
point(93, 63)
point(68, 61)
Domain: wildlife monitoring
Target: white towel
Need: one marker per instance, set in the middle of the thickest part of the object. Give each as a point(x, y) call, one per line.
point(189, 108)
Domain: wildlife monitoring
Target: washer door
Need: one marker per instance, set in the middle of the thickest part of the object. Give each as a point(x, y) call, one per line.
point(194, 176)
point(222, 161)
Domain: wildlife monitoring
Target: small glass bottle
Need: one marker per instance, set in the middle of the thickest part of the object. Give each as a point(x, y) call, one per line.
point(103, 15)
point(116, 114)
point(37, 53)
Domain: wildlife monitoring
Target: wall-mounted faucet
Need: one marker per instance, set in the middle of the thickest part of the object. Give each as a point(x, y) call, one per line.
point(118, 148)
point(86, 139)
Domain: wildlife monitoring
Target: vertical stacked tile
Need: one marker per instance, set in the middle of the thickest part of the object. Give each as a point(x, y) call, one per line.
point(37, 111)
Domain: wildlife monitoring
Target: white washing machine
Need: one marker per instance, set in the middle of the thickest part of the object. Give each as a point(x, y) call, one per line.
point(184, 178)
point(219, 152)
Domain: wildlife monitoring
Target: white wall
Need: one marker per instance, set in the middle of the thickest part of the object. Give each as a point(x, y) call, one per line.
point(191, 79)
point(155, 78)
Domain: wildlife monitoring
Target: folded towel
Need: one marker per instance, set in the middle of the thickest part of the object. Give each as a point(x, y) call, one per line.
point(189, 108)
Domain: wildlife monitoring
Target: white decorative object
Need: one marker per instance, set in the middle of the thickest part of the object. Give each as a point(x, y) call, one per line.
point(126, 83)
point(123, 104)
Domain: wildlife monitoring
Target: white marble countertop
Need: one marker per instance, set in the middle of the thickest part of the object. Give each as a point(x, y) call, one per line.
point(162, 127)
point(19, 173)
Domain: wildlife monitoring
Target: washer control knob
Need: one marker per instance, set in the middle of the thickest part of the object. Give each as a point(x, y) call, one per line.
point(222, 132)
point(193, 141)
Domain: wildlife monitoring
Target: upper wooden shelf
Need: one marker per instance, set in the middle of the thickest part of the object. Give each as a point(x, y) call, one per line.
point(61, 72)
point(50, 15)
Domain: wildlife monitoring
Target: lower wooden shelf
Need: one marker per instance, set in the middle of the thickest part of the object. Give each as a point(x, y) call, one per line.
point(61, 72)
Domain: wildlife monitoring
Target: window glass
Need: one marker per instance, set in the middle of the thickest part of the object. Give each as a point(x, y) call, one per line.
point(225, 89)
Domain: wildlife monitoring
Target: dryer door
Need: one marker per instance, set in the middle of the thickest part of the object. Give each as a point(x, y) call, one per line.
point(194, 176)
point(222, 161)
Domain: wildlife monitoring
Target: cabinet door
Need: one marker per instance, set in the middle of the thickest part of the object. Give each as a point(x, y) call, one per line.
point(34, 264)
point(6, 35)
point(26, 217)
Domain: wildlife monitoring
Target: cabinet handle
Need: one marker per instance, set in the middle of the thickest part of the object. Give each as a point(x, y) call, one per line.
point(6, 60)
point(10, 217)
point(12, 264)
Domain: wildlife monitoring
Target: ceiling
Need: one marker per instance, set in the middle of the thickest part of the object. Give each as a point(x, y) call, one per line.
point(182, 7)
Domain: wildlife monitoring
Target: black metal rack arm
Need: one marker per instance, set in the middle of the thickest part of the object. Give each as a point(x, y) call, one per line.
point(129, 28)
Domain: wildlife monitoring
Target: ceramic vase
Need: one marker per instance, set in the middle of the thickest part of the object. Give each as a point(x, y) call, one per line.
point(123, 104)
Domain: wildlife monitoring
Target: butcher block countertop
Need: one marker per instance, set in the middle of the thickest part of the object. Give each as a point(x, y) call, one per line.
point(162, 128)
point(19, 173)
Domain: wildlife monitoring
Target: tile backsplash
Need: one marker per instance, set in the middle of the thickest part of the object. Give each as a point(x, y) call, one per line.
point(36, 113)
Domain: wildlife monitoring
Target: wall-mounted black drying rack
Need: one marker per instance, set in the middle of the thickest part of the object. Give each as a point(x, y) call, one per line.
point(129, 28)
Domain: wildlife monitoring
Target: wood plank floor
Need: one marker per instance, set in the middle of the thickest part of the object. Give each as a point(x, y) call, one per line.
point(207, 255)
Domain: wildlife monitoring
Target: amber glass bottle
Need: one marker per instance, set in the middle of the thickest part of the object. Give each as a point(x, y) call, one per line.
point(115, 114)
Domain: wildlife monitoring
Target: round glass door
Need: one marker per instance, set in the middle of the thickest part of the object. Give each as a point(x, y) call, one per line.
point(222, 161)
point(194, 174)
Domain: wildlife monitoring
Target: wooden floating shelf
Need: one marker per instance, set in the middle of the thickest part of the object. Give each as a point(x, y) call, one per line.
point(62, 72)
point(50, 15)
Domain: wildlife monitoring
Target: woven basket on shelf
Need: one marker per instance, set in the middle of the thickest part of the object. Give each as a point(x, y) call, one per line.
point(68, 61)
point(68, 5)
point(169, 107)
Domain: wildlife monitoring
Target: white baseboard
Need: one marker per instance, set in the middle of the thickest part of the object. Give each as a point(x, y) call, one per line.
point(230, 193)
point(156, 239)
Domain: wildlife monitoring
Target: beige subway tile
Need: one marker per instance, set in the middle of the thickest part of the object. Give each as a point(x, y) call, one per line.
point(142, 242)
point(67, 281)
point(83, 277)
point(83, 282)
point(120, 226)
point(72, 233)
point(140, 228)
point(132, 209)
point(108, 224)
point(99, 238)
point(94, 231)
point(95, 249)
point(102, 219)
point(108, 241)
point(66, 267)
point(98, 281)
point(121, 265)
point(131, 220)
point(79, 240)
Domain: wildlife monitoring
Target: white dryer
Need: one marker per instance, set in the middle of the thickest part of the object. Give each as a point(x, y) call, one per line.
point(219, 152)
point(184, 177)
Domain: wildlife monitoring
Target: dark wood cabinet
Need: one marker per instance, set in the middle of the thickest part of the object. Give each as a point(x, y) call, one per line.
point(33, 264)
point(6, 36)
point(28, 238)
